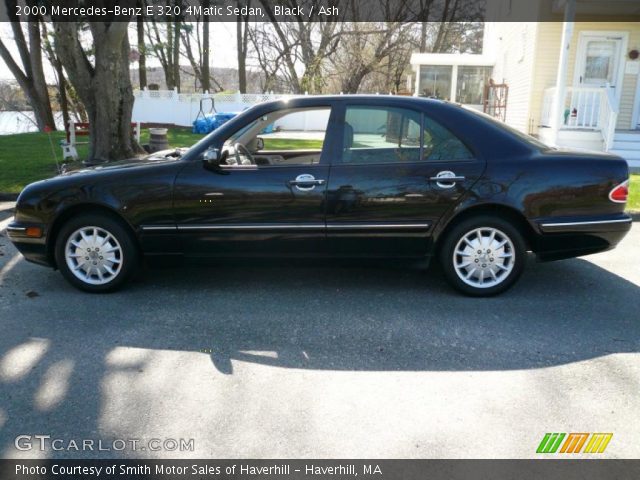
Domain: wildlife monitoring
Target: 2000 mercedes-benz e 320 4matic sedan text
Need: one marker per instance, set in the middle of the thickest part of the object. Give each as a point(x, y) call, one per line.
point(349, 176)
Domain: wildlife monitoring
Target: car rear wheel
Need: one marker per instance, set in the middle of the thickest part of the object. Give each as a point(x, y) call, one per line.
point(96, 253)
point(483, 256)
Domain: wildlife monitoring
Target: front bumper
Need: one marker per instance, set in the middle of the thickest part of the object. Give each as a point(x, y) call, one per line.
point(33, 249)
point(573, 237)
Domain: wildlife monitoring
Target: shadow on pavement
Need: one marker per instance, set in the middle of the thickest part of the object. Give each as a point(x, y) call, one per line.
point(321, 316)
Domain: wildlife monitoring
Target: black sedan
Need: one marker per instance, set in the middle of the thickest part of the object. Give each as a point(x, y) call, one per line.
point(334, 176)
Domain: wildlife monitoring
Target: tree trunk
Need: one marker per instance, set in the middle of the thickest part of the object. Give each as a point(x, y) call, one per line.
point(242, 40)
point(176, 54)
point(62, 92)
point(242, 57)
point(39, 82)
point(30, 76)
point(351, 84)
point(105, 89)
point(206, 82)
point(47, 48)
point(142, 60)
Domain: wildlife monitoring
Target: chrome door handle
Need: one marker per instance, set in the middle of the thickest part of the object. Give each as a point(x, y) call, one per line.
point(447, 179)
point(305, 182)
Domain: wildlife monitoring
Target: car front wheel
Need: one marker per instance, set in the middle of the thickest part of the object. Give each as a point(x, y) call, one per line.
point(483, 256)
point(96, 253)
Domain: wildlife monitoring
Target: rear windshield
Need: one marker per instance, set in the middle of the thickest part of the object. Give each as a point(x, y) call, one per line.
point(534, 142)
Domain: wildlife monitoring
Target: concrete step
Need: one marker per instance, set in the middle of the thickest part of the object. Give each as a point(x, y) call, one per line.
point(634, 166)
point(627, 154)
point(626, 145)
point(626, 137)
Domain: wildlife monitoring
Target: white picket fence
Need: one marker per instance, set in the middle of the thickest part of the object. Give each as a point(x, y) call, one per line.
point(169, 106)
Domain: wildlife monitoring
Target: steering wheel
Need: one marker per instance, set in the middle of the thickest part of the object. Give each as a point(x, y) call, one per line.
point(240, 148)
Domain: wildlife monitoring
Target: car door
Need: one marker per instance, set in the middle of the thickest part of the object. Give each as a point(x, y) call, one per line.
point(397, 174)
point(274, 207)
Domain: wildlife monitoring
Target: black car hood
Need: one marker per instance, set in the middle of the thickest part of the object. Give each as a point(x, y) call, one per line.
point(162, 156)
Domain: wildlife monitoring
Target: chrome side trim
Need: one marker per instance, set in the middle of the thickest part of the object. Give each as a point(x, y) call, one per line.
point(292, 226)
point(146, 228)
point(593, 222)
point(251, 227)
point(352, 226)
point(11, 229)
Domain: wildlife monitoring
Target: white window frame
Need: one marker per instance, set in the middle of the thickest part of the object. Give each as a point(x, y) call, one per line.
point(454, 75)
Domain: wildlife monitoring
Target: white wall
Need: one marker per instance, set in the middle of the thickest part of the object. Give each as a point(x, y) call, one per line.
point(515, 49)
point(168, 106)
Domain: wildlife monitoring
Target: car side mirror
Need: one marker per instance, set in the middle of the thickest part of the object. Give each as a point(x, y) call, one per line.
point(259, 144)
point(212, 157)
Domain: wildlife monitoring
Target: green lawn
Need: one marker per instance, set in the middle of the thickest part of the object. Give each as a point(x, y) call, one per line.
point(633, 204)
point(27, 157)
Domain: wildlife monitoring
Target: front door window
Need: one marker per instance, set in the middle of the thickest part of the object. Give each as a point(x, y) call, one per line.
point(599, 60)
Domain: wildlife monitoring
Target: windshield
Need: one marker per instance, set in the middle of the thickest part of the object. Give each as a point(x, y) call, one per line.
point(534, 142)
point(232, 139)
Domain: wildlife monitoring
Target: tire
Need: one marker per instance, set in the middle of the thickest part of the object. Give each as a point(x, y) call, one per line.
point(493, 270)
point(96, 253)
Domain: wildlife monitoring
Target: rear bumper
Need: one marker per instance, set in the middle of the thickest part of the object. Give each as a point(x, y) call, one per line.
point(33, 249)
point(572, 237)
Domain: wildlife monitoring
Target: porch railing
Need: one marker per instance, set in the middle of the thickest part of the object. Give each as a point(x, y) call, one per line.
point(584, 108)
point(609, 116)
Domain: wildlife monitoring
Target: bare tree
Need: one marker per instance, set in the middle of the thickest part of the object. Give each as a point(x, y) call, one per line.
point(102, 83)
point(269, 59)
point(242, 41)
point(366, 47)
point(206, 83)
point(195, 42)
point(142, 50)
point(57, 64)
point(163, 39)
point(374, 47)
point(30, 74)
point(302, 44)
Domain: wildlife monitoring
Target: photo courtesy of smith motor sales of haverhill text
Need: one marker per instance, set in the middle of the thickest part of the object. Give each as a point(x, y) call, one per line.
point(334, 239)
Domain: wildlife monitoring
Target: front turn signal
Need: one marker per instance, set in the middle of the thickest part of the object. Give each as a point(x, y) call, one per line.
point(33, 232)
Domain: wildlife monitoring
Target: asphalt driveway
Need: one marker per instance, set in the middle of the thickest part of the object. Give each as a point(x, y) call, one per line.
point(322, 360)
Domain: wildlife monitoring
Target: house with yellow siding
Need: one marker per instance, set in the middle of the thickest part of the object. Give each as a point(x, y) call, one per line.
point(574, 82)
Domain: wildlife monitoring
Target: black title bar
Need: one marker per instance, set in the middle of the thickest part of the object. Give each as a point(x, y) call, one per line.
point(584, 469)
point(317, 10)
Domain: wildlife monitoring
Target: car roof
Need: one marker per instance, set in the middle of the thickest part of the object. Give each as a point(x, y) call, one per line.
point(359, 98)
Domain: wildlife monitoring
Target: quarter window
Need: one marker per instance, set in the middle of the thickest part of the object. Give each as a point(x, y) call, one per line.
point(441, 145)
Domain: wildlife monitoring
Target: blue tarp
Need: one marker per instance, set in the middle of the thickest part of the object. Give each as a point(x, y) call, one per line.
point(209, 123)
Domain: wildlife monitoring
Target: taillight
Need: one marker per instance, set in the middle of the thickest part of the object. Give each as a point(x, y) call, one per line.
point(620, 193)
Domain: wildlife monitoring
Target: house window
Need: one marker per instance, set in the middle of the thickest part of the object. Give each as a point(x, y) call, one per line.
point(435, 81)
point(470, 84)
